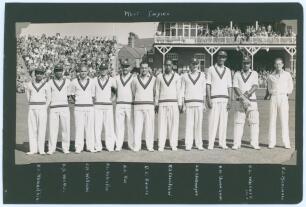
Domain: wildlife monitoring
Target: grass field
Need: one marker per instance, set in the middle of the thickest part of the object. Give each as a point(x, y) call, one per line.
point(244, 155)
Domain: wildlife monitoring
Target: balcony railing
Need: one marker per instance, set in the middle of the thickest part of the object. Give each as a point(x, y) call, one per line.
point(224, 40)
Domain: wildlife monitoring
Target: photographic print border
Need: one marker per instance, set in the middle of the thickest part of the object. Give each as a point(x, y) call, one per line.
point(167, 183)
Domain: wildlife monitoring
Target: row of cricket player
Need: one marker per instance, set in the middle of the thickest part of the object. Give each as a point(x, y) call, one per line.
point(139, 97)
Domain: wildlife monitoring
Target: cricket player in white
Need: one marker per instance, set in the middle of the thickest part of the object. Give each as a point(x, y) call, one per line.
point(219, 99)
point(143, 95)
point(104, 117)
point(82, 89)
point(245, 83)
point(193, 95)
point(168, 103)
point(37, 92)
point(124, 106)
point(280, 85)
point(59, 111)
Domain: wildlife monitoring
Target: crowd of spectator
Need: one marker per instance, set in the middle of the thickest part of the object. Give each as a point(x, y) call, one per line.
point(69, 51)
point(46, 51)
point(244, 35)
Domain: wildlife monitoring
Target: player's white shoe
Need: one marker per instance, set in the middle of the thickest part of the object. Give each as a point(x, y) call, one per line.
point(256, 147)
point(160, 149)
point(50, 152)
point(235, 147)
point(31, 153)
point(224, 147)
point(200, 148)
point(174, 148)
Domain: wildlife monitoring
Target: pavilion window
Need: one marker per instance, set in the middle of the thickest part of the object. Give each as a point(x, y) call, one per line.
point(173, 32)
point(167, 29)
point(186, 27)
point(173, 29)
point(192, 32)
point(162, 28)
point(180, 29)
point(172, 56)
point(186, 32)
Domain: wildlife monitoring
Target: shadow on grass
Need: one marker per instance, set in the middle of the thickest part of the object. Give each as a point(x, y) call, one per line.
point(24, 147)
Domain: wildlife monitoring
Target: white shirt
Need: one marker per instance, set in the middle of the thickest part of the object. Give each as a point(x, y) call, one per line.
point(220, 79)
point(83, 91)
point(245, 81)
point(194, 88)
point(59, 90)
point(143, 91)
point(37, 94)
point(280, 84)
point(124, 90)
point(168, 89)
point(103, 92)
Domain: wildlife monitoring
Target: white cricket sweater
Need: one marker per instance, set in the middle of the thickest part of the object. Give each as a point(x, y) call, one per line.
point(59, 90)
point(83, 91)
point(220, 79)
point(246, 82)
point(194, 88)
point(168, 90)
point(102, 92)
point(143, 92)
point(37, 94)
point(124, 90)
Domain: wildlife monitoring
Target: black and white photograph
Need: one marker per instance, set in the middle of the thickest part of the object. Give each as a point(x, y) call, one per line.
point(179, 92)
point(125, 94)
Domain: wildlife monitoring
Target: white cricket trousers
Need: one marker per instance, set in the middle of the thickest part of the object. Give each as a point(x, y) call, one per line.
point(217, 117)
point(37, 124)
point(253, 121)
point(194, 117)
point(104, 118)
point(84, 122)
point(59, 117)
point(279, 104)
point(144, 118)
point(124, 115)
point(168, 121)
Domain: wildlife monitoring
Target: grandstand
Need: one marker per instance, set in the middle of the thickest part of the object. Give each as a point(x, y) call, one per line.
point(69, 51)
point(262, 41)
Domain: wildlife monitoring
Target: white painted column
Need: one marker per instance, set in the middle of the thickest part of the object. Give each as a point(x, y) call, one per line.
point(211, 50)
point(252, 56)
point(212, 59)
point(163, 50)
point(163, 62)
point(252, 51)
point(291, 62)
point(292, 51)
